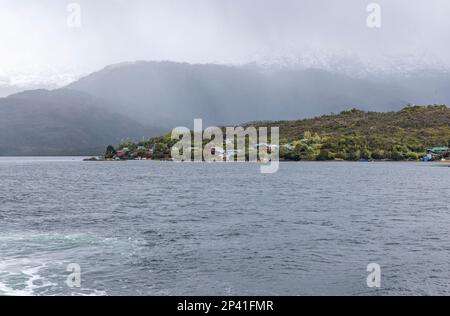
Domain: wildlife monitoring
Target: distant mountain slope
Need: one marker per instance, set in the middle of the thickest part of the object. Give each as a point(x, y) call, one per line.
point(118, 101)
point(60, 122)
point(169, 94)
point(6, 90)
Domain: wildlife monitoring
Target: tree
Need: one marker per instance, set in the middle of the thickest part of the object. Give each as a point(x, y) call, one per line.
point(160, 151)
point(110, 152)
point(354, 155)
point(396, 155)
point(325, 155)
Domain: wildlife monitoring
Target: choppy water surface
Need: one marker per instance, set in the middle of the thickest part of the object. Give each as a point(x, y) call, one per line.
point(153, 228)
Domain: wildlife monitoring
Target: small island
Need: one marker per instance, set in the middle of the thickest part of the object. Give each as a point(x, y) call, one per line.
point(411, 134)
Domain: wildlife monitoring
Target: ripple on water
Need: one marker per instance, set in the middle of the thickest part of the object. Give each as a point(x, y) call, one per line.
point(161, 228)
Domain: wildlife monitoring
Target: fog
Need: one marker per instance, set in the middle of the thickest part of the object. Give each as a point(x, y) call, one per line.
point(40, 48)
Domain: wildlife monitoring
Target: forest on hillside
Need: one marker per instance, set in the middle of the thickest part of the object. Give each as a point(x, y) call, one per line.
point(349, 135)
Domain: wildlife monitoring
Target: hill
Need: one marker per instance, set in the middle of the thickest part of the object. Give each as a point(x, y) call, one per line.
point(60, 122)
point(355, 134)
point(349, 135)
point(168, 94)
point(127, 101)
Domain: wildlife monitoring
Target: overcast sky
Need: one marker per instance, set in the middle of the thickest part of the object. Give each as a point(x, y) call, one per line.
point(37, 45)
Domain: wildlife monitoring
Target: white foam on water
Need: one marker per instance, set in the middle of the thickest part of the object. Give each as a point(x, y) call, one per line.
point(26, 276)
point(5, 290)
point(22, 268)
point(90, 292)
point(34, 283)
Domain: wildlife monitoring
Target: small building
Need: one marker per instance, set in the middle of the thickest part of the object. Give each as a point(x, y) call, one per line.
point(437, 153)
point(266, 147)
point(122, 154)
point(217, 151)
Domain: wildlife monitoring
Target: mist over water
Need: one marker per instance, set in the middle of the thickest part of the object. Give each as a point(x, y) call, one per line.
point(194, 228)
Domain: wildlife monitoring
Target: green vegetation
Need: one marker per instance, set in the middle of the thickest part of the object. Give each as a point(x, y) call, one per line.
point(350, 135)
point(355, 135)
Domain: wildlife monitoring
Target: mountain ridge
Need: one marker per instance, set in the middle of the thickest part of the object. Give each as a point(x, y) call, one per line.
point(222, 94)
point(149, 98)
point(60, 122)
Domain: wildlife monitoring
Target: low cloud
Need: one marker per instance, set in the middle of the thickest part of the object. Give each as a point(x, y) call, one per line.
point(37, 42)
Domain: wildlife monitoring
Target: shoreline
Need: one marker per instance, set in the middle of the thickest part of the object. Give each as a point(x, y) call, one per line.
point(93, 159)
point(84, 158)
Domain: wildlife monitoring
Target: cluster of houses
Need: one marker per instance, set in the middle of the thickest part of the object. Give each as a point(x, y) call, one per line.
point(438, 154)
point(229, 154)
point(136, 152)
point(221, 154)
point(141, 152)
point(263, 151)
